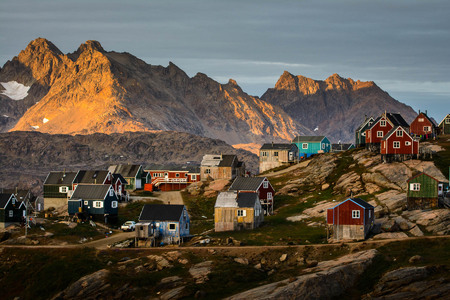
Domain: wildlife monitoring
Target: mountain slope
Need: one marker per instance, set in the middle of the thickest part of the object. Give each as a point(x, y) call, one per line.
point(92, 90)
point(335, 106)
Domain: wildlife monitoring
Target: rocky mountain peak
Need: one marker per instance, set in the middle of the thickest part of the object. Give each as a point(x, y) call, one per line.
point(41, 45)
point(91, 46)
point(232, 82)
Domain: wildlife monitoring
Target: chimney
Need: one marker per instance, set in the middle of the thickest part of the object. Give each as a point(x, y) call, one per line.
point(426, 112)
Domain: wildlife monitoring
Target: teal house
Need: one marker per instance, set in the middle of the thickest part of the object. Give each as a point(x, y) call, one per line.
point(309, 145)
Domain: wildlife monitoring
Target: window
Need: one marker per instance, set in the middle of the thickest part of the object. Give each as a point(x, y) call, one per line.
point(63, 189)
point(363, 134)
point(380, 134)
point(208, 171)
point(241, 212)
point(323, 146)
point(111, 192)
point(370, 213)
point(414, 187)
point(264, 153)
point(172, 226)
point(355, 214)
point(383, 123)
point(399, 132)
point(269, 196)
point(187, 226)
point(98, 204)
point(185, 174)
point(13, 200)
point(11, 213)
point(86, 202)
point(265, 184)
point(426, 128)
point(305, 146)
point(193, 177)
point(166, 174)
point(447, 121)
point(275, 153)
point(407, 143)
point(114, 204)
point(396, 144)
point(177, 175)
point(421, 119)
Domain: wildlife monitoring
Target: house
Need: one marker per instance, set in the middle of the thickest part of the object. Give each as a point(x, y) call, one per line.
point(380, 127)
point(350, 220)
point(134, 175)
point(12, 211)
point(336, 148)
point(309, 145)
point(23, 195)
point(422, 192)
point(118, 183)
point(423, 127)
point(221, 166)
point(276, 155)
point(360, 133)
point(258, 185)
point(58, 188)
point(97, 201)
point(173, 178)
point(169, 223)
point(399, 145)
point(237, 211)
point(92, 177)
point(444, 126)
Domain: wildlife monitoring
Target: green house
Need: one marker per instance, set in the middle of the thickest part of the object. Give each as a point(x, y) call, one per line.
point(422, 192)
point(309, 145)
point(12, 211)
point(360, 132)
point(444, 126)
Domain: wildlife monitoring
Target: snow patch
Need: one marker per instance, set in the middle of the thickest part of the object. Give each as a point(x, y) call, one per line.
point(15, 90)
point(317, 128)
point(6, 116)
point(45, 120)
point(35, 127)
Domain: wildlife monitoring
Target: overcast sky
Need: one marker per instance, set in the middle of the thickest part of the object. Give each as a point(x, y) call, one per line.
point(402, 45)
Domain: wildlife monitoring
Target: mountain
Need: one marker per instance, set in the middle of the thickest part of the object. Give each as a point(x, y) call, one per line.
point(334, 107)
point(92, 90)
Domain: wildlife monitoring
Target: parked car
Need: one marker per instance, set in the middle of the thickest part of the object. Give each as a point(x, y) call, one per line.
point(128, 226)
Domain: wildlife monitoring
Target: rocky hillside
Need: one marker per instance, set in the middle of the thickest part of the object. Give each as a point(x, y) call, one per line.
point(92, 90)
point(334, 107)
point(27, 157)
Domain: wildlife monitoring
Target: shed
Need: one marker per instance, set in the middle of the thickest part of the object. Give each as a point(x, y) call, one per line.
point(275, 155)
point(309, 145)
point(422, 192)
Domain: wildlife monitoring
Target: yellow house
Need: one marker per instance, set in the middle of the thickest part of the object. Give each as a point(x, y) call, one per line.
point(237, 211)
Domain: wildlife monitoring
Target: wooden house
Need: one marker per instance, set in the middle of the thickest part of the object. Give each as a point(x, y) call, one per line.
point(336, 148)
point(97, 201)
point(169, 223)
point(258, 185)
point(360, 133)
point(423, 127)
point(444, 126)
point(119, 183)
point(23, 195)
point(237, 211)
point(12, 211)
point(422, 192)
point(134, 175)
point(173, 178)
point(221, 166)
point(309, 145)
point(58, 188)
point(92, 177)
point(350, 220)
point(380, 127)
point(399, 145)
point(275, 155)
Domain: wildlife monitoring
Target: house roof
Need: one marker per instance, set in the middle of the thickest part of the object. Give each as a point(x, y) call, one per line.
point(388, 135)
point(90, 191)
point(126, 171)
point(367, 120)
point(247, 199)
point(447, 116)
point(272, 146)
point(161, 212)
point(358, 201)
point(218, 160)
point(181, 168)
point(4, 198)
point(62, 178)
point(227, 160)
point(420, 174)
point(306, 139)
point(91, 176)
point(246, 183)
point(20, 194)
point(396, 119)
point(120, 177)
point(424, 115)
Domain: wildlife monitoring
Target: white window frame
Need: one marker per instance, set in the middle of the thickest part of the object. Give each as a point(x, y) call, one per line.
point(380, 134)
point(241, 213)
point(114, 204)
point(98, 204)
point(447, 120)
point(265, 184)
point(426, 128)
point(383, 123)
point(63, 189)
point(269, 196)
point(263, 153)
point(414, 186)
point(86, 202)
point(396, 144)
point(407, 143)
point(170, 224)
point(11, 213)
point(399, 133)
point(177, 174)
point(356, 214)
point(421, 119)
point(208, 171)
point(370, 213)
point(194, 177)
point(111, 192)
point(305, 146)
point(13, 200)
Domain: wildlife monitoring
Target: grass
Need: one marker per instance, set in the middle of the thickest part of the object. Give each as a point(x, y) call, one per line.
point(442, 158)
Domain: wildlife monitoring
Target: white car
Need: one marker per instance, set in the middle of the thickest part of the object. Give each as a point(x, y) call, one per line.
point(128, 226)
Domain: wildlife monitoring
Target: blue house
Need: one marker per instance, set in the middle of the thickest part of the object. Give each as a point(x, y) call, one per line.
point(170, 223)
point(98, 201)
point(309, 145)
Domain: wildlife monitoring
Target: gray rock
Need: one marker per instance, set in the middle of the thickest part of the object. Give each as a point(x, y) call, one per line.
point(201, 271)
point(283, 257)
point(242, 261)
point(174, 294)
point(415, 258)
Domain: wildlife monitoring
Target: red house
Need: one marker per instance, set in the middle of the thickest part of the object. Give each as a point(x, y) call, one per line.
point(350, 220)
point(380, 127)
point(118, 184)
point(172, 178)
point(259, 185)
point(423, 126)
point(399, 145)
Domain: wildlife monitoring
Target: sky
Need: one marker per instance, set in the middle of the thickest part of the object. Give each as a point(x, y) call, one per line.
point(401, 45)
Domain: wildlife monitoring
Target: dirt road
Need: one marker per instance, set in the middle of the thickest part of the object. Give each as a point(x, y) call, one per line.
point(173, 197)
point(303, 164)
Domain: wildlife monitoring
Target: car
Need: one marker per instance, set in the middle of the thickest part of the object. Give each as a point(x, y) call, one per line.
point(128, 226)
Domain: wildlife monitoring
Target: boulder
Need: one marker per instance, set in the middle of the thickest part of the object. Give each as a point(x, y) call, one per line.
point(390, 235)
point(415, 258)
point(172, 255)
point(436, 221)
point(379, 180)
point(415, 231)
point(161, 262)
point(283, 257)
point(174, 294)
point(348, 183)
point(201, 271)
point(389, 225)
point(394, 175)
point(393, 200)
point(242, 261)
point(404, 224)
